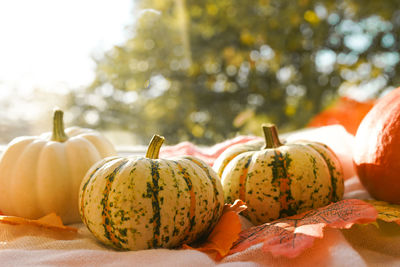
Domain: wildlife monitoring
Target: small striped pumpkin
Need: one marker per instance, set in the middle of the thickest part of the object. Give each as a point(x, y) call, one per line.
point(280, 180)
point(135, 203)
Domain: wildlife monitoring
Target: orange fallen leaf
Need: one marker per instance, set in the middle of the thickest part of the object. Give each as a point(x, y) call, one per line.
point(238, 206)
point(290, 236)
point(50, 225)
point(224, 234)
point(50, 221)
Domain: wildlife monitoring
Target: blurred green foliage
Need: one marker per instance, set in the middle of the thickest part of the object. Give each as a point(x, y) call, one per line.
point(207, 70)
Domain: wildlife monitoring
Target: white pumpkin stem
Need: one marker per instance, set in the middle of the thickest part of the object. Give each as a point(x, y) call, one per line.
point(154, 147)
point(271, 136)
point(59, 134)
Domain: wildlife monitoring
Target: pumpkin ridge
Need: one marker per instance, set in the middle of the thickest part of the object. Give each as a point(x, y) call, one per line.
point(214, 184)
point(5, 195)
point(155, 189)
point(332, 171)
point(175, 232)
point(315, 169)
point(225, 162)
point(243, 178)
point(109, 230)
point(84, 186)
point(29, 146)
point(192, 209)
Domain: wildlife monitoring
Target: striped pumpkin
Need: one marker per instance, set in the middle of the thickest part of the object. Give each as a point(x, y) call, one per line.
point(280, 180)
point(134, 203)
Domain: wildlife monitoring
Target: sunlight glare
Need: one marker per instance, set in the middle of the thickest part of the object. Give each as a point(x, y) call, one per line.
point(45, 43)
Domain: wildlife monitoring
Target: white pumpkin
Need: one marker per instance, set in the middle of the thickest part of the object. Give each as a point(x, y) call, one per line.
point(42, 174)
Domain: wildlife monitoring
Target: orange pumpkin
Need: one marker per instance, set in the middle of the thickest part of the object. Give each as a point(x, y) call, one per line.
point(377, 149)
point(346, 112)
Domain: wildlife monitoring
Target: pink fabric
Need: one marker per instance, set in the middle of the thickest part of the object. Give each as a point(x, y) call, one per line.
point(358, 246)
point(207, 154)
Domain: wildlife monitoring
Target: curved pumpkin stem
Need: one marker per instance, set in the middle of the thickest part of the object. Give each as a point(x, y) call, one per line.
point(154, 147)
point(271, 136)
point(58, 127)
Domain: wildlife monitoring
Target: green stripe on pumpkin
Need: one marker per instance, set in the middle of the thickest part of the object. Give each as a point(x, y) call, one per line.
point(315, 181)
point(154, 190)
point(108, 224)
point(280, 178)
point(332, 171)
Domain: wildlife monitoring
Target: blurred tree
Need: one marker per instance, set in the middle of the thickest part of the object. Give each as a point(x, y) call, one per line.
point(205, 70)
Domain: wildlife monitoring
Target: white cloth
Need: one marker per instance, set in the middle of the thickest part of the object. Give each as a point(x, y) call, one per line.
point(358, 246)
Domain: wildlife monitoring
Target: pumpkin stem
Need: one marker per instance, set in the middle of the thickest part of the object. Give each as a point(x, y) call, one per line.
point(58, 127)
point(154, 147)
point(271, 136)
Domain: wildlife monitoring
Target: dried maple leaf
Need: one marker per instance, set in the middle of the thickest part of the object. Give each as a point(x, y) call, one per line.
point(292, 235)
point(12, 227)
point(225, 232)
point(386, 212)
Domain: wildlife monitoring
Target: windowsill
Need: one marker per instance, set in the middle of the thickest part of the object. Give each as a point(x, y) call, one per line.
point(122, 150)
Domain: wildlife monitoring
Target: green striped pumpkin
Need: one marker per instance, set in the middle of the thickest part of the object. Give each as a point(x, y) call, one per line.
point(280, 180)
point(134, 203)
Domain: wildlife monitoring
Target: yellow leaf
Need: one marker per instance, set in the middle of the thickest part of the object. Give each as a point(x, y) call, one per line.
point(386, 212)
point(311, 17)
point(246, 38)
point(212, 9)
point(197, 130)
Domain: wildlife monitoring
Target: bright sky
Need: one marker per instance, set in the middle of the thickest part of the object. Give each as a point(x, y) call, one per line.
point(48, 43)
